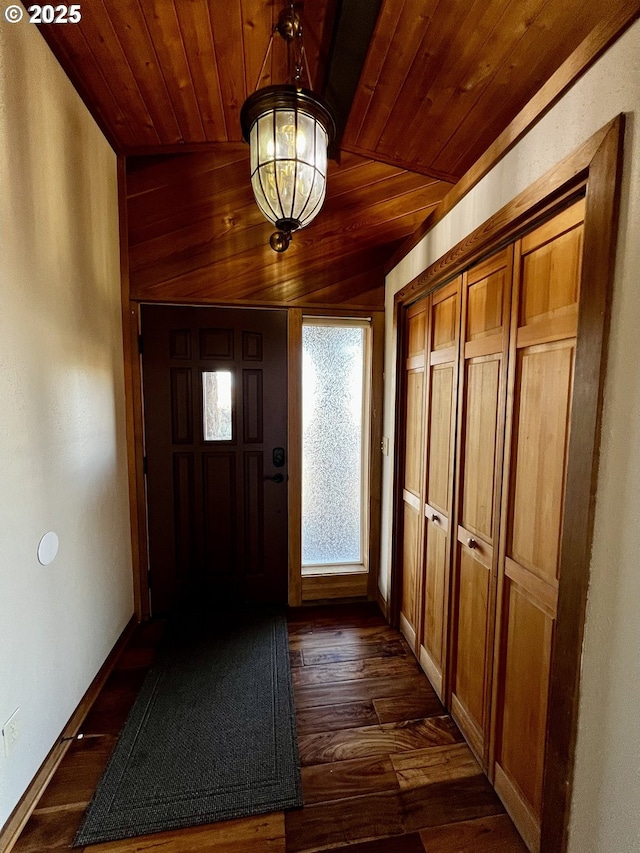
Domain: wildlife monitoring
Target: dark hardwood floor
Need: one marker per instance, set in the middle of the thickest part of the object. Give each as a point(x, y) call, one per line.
point(384, 767)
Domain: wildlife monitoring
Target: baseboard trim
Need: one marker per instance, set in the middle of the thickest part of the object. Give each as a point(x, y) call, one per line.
point(527, 824)
point(383, 604)
point(408, 632)
point(473, 735)
point(431, 671)
point(10, 832)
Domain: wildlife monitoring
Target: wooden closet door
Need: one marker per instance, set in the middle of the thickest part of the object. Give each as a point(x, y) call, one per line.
point(543, 338)
point(412, 492)
point(442, 358)
point(486, 298)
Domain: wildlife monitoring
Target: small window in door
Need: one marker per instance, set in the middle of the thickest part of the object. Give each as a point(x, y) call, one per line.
point(217, 405)
point(335, 416)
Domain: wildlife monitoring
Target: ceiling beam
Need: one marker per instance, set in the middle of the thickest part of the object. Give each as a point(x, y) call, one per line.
point(353, 28)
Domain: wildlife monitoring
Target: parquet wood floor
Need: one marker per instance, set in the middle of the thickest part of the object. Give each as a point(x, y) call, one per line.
point(384, 767)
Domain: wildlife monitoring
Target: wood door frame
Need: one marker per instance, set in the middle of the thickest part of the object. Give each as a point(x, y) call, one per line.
point(338, 586)
point(134, 413)
point(593, 170)
point(131, 328)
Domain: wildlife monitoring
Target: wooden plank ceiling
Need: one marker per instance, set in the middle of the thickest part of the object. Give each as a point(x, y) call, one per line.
point(165, 80)
point(196, 234)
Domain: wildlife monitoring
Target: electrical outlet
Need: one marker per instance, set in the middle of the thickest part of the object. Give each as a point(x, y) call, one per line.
point(11, 732)
point(384, 446)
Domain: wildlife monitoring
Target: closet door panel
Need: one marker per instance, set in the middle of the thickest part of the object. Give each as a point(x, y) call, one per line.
point(482, 387)
point(442, 358)
point(435, 559)
point(485, 298)
point(410, 562)
point(528, 655)
point(486, 293)
point(471, 650)
point(413, 458)
point(543, 384)
point(413, 475)
point(550, 273)
point(543, 337)
point(445, 318)
point(440, 456)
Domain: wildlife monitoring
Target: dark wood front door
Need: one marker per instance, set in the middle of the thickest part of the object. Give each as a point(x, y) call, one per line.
point(215, 404)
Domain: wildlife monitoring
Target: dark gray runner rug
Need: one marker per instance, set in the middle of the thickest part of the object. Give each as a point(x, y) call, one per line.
point(211, 735)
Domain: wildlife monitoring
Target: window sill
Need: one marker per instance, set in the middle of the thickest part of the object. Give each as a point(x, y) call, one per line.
point(331, 570)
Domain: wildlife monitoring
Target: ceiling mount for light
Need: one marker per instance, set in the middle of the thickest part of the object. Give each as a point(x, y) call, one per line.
point(289, 129)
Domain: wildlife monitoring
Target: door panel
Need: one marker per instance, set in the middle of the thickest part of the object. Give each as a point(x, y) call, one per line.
point(440, 457)
point(410, 568)
point(471, 649)
point(543, 379)
point(219, 497)
point(415, 402)
point(487, 286)
point(522, 700)
point(486, 301)
point(550, 271)
point(442, 357)
point(481, 407)
point(184, 500)
point(215, 392)
point(434, 617)
point(544, 325)
point(445, 318)
point(413, 468)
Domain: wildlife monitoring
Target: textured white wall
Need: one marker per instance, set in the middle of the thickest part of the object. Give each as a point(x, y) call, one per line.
point(62, 427)
point(605, 809)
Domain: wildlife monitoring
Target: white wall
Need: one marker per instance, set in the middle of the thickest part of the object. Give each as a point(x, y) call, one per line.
point(606, 802)
point(62, 427)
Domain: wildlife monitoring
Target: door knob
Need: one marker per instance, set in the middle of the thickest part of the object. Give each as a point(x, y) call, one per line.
point(276, 478)
point(471, 543)
point(435, 518)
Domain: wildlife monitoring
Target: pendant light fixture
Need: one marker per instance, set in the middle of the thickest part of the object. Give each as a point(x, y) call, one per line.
point(288, 129)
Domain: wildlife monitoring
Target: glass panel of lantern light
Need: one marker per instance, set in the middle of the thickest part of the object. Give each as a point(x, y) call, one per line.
point(321, 149)
point(274, 194)
point(305, 141)
point(269, 188)
point(285, 176)
point(316, 198)
point(265, 138)
point(304, 183)
point(285, 135)
point(253, 146)
point(261, 200)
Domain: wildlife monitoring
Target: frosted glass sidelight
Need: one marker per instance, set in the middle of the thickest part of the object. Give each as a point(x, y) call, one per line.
point(332, 446)
point(216, 405)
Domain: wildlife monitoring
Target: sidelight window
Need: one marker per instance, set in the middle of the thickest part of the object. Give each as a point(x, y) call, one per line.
point(335, 404)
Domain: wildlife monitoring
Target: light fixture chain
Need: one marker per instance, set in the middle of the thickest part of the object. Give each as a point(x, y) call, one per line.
point(306, 62)
point(266, 56)
point(299, 48)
